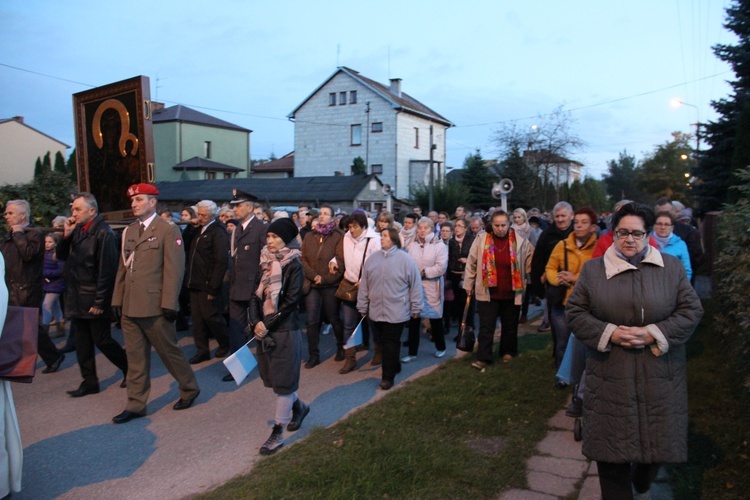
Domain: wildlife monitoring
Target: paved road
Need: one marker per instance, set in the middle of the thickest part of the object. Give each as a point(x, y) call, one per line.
point(72, 450)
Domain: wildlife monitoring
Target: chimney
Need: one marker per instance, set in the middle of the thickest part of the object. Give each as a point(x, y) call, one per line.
point(19, 119)
point(156, 106)
point(396, 86)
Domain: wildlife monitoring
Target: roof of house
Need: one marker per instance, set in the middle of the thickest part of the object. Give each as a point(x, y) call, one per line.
point(331, 189)
point(19, 120)
point(544, 156)
point(404, 102)
point(198, 163)
point(180, 113)
point(283, 164)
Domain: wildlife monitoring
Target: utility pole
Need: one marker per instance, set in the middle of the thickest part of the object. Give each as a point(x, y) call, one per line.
point(432, 175)
point(367, 144)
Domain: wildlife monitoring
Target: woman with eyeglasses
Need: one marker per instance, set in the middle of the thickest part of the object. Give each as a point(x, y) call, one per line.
point(634, 310)
point(669, 242)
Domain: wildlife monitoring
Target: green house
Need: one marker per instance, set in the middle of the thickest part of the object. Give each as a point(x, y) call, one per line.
point(190, 145)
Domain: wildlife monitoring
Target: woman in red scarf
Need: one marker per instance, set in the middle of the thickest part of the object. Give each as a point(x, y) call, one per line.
point(495, 274)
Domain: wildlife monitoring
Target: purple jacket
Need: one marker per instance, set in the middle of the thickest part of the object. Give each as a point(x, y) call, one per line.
point(52, 272)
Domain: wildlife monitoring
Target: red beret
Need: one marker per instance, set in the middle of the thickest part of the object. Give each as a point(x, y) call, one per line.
point(142, 188)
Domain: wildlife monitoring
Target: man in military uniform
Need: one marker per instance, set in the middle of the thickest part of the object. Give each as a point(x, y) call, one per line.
point(149, 277)
point(247, 240)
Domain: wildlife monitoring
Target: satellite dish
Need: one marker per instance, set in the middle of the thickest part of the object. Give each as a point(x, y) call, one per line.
point(505, 186)
point(386, 189)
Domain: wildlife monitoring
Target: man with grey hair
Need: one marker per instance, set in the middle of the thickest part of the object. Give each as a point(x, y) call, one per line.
point(207, 265)
point(89, 249)
point(23, 250)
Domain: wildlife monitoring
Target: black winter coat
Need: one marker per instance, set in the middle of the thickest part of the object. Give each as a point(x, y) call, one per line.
point(90, 268)
point(24, 257)
point(547, 242)
point(209, 259)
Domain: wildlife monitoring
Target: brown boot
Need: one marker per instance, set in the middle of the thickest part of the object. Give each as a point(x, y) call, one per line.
point(351, 361)
point(377, 359)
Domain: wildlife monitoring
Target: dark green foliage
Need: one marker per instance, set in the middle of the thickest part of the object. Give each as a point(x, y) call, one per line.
point(515, 168)
point(38, 168)
point(446, 195)
point(358, 166)
point(60, 163)
point(723, 136)
point(71, 166)
point(662, 173)
point(479, 181)
point(621, 180)
point(48, 195)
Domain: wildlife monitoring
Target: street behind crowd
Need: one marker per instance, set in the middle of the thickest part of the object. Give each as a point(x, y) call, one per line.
point(72, 449)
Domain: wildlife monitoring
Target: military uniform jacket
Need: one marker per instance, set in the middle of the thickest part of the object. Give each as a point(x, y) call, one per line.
point(245, 248)
point(151, 268)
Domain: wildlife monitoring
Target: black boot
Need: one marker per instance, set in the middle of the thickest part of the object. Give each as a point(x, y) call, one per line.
point(339, 354)
point(299, 412)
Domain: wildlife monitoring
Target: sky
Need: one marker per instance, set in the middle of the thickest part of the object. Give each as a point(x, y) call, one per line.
point(614, 65)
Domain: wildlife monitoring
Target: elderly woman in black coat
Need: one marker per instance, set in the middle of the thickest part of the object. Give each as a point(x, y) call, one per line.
point(634, 310)
point(273, 320)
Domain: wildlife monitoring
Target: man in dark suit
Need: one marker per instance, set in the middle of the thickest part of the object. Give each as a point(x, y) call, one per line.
point(209, 258)
point(147, 287)
point(23, 251)
point(247, 240)
point(89, 250)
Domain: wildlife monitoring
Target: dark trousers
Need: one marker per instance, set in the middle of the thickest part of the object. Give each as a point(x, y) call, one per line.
point(615, 480)
point(237, 324)
point(92, 333)
point(507, 311)
point(45, 347)
point(207, 319)
point(390, 342)
point(436, 330)
point(560, 332)
point(318, 302)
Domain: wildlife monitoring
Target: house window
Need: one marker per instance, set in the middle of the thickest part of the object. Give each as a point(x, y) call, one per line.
point(227, 175)
point(356, 135)
point(353, 97)
point(377, 127)
point(332, 99)
point(207, 149)
point(342, 98)
point(210, 175)
point(377, 168)
point(416, 138)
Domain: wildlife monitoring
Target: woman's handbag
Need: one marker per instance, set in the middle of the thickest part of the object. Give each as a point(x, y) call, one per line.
point(347, 290)
point(466, 338)
point(18, 344)
point(556, 293)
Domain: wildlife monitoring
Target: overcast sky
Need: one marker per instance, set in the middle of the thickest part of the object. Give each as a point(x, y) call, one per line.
point(615, 65)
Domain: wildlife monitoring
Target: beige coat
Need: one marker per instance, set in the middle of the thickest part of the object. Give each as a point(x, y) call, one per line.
point(151, 268)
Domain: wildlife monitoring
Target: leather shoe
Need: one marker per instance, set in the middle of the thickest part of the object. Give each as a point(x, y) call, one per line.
point(227, 378)
point(221, 352)
point(349, 366)
point(184, 404)
point(84, 390)
point(312, 362)
point(55, 365)
point(199, 358)
point(126, 416)
point(386, 384)
point(339, 354)
point(124, 383)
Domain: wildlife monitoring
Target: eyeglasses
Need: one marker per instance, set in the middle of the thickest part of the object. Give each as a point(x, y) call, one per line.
point(624, 233)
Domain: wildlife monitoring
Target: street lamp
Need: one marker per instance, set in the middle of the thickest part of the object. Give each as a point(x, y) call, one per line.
point(676, 103)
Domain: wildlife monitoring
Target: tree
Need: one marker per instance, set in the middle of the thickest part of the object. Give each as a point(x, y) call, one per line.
point(60, 163)
point(48, 195)
point(72, 167)
point(715, 165)
point(515, 168)
point(478, 180)
point(596, 194)
point(621, 179)
point(544, 145)
point(38, 168)
point(446, 195)
point(358, 166)
point(662, 173)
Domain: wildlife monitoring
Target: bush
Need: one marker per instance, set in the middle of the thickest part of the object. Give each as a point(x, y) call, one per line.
point(732, 278)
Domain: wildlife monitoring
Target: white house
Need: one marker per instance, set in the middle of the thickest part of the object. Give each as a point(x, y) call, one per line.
point(557, 169)
point(20, 146)
point(350, 116)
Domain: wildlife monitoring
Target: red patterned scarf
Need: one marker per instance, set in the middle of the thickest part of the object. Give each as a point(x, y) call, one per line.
point(489, 267)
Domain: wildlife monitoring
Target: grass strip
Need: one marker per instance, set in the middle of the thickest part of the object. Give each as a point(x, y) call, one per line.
point(454, 433)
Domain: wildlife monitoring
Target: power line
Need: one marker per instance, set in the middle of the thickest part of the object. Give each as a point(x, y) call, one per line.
point(46, 75)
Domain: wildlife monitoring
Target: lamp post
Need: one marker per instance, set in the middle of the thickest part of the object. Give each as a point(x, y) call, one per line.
point(676, 103)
